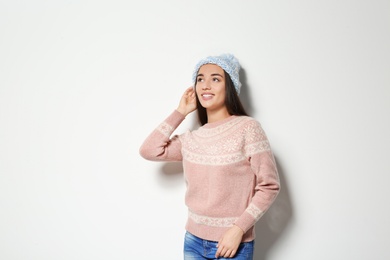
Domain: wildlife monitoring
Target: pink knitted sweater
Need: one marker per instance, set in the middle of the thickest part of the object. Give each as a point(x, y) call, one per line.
point(229, 169)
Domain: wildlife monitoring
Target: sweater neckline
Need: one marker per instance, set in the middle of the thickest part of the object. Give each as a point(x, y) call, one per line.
point(219, 122)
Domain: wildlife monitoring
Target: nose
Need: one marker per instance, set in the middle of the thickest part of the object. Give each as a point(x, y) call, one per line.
point(206, 85)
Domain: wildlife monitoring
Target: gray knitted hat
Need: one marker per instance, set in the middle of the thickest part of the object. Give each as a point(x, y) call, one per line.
point(227, 62)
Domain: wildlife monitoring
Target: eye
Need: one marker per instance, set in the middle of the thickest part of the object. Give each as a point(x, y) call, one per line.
point(216, 79)
point(199, 79)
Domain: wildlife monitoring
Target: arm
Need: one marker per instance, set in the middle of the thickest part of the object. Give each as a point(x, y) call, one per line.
point(263, 165)
point(267, 179)
point(158, 146)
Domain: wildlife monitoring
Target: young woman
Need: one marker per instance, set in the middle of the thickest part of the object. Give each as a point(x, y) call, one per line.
point(228, 165)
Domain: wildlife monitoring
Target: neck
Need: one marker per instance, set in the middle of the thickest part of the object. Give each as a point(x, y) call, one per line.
point(214, 116)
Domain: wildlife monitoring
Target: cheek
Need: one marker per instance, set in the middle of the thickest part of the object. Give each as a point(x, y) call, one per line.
point(221, 91)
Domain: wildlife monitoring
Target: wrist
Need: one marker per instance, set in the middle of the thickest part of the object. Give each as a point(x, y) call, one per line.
point(181, 111)
point(238, 229)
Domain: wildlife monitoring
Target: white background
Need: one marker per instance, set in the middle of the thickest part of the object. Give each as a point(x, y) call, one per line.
point(82, 83)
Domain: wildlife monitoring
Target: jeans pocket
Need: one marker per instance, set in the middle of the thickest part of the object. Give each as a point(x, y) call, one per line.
point(245, 251)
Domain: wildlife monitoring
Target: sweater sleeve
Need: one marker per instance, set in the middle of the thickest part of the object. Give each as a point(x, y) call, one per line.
point(158, 146)
point(257, 149)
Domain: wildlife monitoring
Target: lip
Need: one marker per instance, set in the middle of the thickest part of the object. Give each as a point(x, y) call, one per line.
point(207, 96)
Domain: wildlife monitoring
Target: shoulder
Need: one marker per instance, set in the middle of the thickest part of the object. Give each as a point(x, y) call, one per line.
point(251, 129)
point(248, 122)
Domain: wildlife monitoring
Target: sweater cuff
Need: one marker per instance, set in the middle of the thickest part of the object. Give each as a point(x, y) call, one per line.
point(175, 119)
point(248, 219)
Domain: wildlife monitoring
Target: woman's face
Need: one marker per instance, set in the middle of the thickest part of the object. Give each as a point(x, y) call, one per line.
point(210, 87)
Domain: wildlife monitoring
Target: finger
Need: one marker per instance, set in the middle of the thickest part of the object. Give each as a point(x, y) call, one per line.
point(223, 252)
point(187, 91)
point(191, 94)
point(227, 253)
point(218, 253)
point(232, 254)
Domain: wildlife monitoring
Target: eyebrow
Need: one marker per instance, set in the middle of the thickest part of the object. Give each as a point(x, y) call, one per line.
point(213, 75)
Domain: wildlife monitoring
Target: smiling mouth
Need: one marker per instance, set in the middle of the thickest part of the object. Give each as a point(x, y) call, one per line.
point(207, 96)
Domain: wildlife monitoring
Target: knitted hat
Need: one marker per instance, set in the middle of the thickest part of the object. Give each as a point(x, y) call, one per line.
point(228, 63)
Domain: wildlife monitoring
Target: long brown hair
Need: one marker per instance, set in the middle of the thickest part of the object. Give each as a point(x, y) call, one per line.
point(232, 102)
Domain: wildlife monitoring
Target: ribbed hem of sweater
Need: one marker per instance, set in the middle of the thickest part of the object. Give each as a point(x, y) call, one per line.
point(215, 233)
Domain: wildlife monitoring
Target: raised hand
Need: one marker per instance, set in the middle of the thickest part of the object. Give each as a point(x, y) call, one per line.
point(187, 102)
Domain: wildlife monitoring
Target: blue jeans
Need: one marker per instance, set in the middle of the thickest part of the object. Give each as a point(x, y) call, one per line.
point(196, 248)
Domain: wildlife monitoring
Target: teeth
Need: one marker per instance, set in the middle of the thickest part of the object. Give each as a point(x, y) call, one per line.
point(207, 95)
